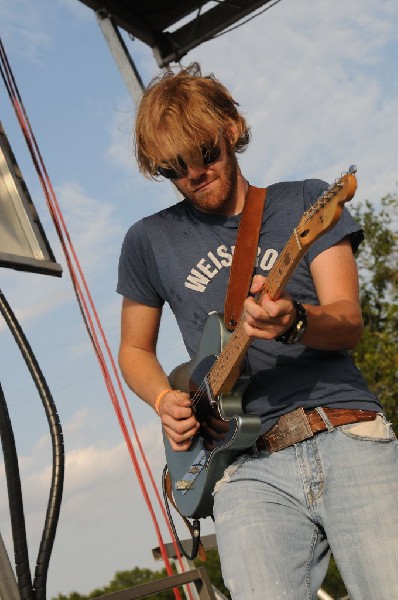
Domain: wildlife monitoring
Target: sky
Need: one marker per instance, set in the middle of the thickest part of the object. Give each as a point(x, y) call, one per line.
point(317, 83)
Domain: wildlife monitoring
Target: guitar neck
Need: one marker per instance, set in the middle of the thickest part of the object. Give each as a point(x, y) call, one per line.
point(284, 266)
point(226, 369)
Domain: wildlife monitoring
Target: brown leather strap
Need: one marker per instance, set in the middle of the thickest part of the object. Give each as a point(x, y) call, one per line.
point(300, 425)
point(337, 417)
point(245, 255)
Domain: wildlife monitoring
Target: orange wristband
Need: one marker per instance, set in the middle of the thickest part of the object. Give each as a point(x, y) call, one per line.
point(159, 398)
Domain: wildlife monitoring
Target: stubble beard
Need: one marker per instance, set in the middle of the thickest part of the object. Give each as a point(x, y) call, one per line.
point(221, 200)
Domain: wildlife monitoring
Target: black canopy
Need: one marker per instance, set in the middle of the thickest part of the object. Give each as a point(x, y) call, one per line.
point(173, 27)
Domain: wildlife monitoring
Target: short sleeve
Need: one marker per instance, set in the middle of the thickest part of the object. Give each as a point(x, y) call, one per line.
point(138, 275)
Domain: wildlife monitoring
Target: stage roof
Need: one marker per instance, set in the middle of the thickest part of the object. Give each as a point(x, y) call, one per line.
point(174, 27)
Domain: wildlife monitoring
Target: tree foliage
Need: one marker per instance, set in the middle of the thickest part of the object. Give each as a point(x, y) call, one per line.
point(376, 354)
point(213, 568)
point(124, 580)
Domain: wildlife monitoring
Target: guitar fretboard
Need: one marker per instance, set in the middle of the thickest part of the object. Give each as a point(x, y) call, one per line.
point(238, 343)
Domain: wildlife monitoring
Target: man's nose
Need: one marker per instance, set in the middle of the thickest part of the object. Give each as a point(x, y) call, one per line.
point(195, 172)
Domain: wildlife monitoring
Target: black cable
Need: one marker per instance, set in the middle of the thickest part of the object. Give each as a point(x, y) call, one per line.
point(15, 503)
point(195, 525)
point(57, 481)
point(241, 23)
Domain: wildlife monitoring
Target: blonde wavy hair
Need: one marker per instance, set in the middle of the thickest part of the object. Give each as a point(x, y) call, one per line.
point(181, 111)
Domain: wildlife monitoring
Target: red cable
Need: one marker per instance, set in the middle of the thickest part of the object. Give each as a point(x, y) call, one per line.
point(61, 227)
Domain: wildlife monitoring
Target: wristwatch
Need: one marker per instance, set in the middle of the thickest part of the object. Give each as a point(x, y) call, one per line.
point(298, 329)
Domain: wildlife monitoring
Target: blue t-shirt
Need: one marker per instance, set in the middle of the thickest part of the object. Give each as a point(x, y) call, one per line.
point(182, 256)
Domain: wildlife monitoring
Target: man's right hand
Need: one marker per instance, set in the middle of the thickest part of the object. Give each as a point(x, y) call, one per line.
point(178, 420)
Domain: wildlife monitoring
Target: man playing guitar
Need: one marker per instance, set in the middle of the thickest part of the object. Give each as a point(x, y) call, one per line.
point(321, 475)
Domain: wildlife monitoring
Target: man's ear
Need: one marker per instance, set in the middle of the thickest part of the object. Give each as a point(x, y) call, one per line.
point(231, 134)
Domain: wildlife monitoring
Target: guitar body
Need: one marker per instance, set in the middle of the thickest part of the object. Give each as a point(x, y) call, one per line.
point(195, 472)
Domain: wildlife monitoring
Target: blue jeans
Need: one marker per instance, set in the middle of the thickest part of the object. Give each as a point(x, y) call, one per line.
point(278, 516)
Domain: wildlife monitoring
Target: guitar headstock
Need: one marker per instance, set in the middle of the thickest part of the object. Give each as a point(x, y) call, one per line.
point(327, 209)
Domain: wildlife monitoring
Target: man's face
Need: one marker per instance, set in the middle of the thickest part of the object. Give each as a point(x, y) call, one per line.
point(212, 188)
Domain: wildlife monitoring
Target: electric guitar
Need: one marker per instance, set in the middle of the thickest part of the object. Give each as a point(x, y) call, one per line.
point(214, 378)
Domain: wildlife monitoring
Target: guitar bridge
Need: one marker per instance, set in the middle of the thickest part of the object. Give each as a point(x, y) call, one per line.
point(188, 481)
point(184, 485)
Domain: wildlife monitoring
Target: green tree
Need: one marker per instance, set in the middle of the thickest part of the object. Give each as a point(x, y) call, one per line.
point(123, 580)
point(213, 568)
point(333, 584)
point(376, 354)
point(137, 576)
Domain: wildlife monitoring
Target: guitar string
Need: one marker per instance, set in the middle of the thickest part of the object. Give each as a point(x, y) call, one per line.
point(224, 357)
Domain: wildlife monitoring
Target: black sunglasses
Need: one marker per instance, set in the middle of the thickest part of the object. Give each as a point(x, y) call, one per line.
point(209, 156)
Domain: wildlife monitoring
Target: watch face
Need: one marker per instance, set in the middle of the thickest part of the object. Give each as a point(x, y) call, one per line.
point(300, 331)
point(300, 325)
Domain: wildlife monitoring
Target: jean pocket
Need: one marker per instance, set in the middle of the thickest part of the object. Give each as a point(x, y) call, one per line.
point(379, 430)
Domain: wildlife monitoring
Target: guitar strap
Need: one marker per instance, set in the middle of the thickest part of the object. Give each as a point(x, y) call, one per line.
point(245, 255)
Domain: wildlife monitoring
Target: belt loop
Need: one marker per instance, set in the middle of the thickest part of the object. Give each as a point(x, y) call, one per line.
point(321, 412)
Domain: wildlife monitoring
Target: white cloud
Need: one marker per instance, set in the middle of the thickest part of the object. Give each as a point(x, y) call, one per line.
point(95, 231)
point(42, 299)
point(100, 485)
point(79, 11)
point(311, 84)
point(121, 149)
point(94, 225)
point(26, 37)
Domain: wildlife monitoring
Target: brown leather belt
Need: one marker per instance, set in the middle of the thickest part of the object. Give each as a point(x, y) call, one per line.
point(300, 425)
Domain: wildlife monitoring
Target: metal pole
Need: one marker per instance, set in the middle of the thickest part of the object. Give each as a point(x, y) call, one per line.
point(125, 63)
point(121, 55)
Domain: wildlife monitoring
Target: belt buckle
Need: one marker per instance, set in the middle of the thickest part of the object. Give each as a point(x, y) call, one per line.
point(290, 429)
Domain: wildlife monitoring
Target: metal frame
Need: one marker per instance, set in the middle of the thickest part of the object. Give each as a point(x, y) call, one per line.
point(125, 63)
point(23, 242)
point(8, 583)
point(197, 576)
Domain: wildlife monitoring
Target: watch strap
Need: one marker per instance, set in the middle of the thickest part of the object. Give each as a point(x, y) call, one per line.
point(297, 329)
